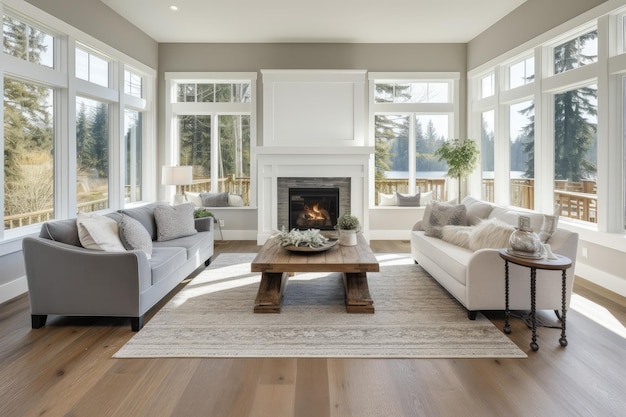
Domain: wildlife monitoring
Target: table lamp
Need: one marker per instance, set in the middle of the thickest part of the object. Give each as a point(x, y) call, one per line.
point(177, 175)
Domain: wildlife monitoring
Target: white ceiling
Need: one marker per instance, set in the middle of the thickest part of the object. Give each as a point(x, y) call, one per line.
point(351, 21)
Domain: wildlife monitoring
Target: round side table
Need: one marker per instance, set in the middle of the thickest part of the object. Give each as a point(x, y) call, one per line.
point(561, 263)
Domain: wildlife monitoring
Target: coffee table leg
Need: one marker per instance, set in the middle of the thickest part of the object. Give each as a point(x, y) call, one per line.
point(269, 298)
point(358, 299)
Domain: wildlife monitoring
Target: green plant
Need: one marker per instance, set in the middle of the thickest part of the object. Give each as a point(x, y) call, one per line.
point(461, 157)
point(202, 212)
point(348, 222)
point(310, 237)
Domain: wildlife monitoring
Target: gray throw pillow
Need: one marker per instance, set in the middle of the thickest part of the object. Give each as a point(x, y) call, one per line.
point(174, 221)
point(443, 214)
point(134, 236)
point(145, 216)
point(214, 199)
point(408, 200)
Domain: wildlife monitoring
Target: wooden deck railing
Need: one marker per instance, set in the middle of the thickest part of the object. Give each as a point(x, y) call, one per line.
point(230, 184)
point(19, 220)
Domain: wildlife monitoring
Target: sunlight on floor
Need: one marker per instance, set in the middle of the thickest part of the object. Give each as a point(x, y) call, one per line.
point(598, 314)
point(394, 259)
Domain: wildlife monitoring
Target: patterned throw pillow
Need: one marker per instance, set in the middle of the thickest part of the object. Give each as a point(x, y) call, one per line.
point(174, 221)
point(442, 214)
point(134, 236)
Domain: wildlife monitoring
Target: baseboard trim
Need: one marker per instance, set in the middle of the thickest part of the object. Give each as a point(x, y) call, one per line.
point(13, 289)
point(404, 234)
point(602, 279)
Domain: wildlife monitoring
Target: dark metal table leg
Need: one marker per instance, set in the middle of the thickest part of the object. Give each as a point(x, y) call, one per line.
point(563, 339)
point(533, 313)
point(507, 312)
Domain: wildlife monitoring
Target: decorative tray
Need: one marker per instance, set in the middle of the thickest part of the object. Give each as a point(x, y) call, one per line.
point(327, 246)
point(526, 255)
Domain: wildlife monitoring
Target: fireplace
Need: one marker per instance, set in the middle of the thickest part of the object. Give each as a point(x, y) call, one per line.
point(313, 208)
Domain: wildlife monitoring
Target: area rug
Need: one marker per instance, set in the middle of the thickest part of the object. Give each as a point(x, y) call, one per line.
point(415, 318)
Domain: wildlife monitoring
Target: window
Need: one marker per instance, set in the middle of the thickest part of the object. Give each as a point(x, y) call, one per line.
point(487, 154)
point(212, 132)
point(522, 154)
point(132, 141)
point(576, 52)
point(487, 86)
point(213, 93)
point(133, 84)
point(92, 155)
point(411, 119)
point(26, 42)
point(415, 92)
point(92, 68)
point(576, 152)
point(522, 73)
point(28, 154)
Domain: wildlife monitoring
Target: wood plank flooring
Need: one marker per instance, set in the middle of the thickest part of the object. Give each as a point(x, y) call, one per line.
point(66, 369)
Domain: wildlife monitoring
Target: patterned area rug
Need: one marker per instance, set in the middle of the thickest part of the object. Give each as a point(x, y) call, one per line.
point(415, 318)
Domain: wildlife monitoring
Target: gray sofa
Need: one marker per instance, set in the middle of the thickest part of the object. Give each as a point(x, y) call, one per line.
point(64, 278)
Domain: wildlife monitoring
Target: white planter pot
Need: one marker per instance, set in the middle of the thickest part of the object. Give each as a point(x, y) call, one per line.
point(347, 237)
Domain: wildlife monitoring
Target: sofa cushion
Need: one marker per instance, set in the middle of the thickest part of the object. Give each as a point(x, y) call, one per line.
point(145, 216)
point(134, 236)
point(166, 261)
point(408, 200)
point(98, 232)
point(451, 258)
point(64, 231)
point(442, 214)
point(490, 233)
point(214, 199)
point(174, 221)
point(192, 244)
point(477, 210)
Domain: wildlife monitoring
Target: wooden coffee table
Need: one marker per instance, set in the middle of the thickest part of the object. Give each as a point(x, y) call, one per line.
point(277, 263)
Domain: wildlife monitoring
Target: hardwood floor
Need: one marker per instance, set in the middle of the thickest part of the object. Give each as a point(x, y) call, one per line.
point(66, 369)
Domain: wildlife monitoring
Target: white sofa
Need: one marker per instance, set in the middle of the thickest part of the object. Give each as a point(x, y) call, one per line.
point(476, 277)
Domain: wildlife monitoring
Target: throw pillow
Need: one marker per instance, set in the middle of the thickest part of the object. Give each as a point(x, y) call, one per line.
point(134, 236)
point(98, 233)
point(457, 235)
point(387, 199)
point(476, 210)
point(491, 233)
point(235, 200)
point(426, 198)
point(174, 221)
point(145, 216)
point(443, 214)
point(408, 200)
point(214, 199)
point(194, 198)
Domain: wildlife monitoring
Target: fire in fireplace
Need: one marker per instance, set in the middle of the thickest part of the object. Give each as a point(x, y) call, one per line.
point(313, 208)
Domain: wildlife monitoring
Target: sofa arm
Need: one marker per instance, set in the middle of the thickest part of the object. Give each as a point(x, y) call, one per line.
point(69, 280)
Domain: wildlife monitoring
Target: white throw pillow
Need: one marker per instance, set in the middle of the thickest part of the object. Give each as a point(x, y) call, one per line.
point(98, 233)
point(387, 199)
point(193, 198)
point(426, 198)
point(235, 200)
point(457, 235)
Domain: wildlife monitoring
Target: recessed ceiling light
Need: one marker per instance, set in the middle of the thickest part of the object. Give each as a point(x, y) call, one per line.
point(174, 7)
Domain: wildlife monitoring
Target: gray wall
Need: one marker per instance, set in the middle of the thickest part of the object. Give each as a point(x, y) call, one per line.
point(529, 20)
point(101, 22)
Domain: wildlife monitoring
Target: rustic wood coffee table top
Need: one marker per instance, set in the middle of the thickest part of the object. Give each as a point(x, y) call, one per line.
point(274, 258)
point(277, 263)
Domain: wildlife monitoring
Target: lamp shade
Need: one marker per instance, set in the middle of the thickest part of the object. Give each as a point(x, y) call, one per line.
point(176, 175)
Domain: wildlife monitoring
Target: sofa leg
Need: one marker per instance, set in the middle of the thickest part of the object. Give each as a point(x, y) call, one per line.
point(472, 315)
point(136, 323)
point(207, 262)
point(38, 320)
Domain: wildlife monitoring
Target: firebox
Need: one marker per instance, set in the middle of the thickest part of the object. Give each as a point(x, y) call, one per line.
point(313, 208)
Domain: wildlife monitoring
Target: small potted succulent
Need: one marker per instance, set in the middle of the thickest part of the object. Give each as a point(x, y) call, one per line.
point(348, 226)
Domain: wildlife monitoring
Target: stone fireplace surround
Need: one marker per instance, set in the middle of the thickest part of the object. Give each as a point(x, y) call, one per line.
point(351, 165)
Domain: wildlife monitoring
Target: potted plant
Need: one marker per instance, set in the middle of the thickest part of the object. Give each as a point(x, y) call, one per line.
point(348, 226)
point(461, 157)
point(201, 213)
